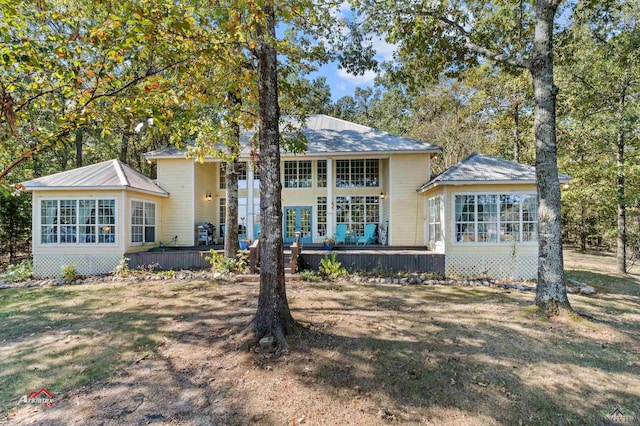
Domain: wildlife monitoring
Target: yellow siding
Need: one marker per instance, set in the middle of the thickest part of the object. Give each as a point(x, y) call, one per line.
point(177, 215)
point(206, 182)
point(408, 173)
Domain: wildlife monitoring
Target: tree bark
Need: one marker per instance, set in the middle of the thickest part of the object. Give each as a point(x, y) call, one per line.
point(79, 141)
point(551, 294)
point(621, 244)
point(273, 315)
point(516, 133)
point(124, 147)
point(231, 244)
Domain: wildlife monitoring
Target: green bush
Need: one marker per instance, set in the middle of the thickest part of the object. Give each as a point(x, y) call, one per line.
point(70, 273)
point(309, 275)
point(18, 272)
point(331, 268)
point(225, 265)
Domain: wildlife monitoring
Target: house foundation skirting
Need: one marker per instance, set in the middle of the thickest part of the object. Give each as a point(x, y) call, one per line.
point(496, 266)
point(51, 265)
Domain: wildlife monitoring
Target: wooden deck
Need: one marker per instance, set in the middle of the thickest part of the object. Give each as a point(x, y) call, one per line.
point(374, 258)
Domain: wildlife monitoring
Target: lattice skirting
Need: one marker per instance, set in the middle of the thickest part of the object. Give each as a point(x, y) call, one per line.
point(51, 265)
point(496, 266)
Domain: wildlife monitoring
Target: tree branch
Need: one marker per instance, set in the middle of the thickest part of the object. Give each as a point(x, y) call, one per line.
point(470, 45)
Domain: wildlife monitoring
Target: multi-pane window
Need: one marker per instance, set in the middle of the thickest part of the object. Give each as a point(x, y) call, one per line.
point(49, 221)
point(222, 214)
point(77, 221)
point(242, 175)
point(435, 222)
point(510, 217)
point(106, 221)
point(465, 218)
point(356, 212)
point(322, 173)
point(487, 219)
point(322, 216)
point(143, 222)
point(529, 217)
point(496, 218)
point(357, 173)
point(297, 174)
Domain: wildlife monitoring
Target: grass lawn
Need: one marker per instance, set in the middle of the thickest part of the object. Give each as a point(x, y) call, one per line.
point(166, 353)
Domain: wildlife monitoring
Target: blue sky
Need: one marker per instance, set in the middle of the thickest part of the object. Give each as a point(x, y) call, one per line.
point(339, 80)
point(344, 84)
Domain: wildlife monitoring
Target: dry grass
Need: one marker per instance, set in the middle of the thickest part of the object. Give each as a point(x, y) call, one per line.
point(365, 354)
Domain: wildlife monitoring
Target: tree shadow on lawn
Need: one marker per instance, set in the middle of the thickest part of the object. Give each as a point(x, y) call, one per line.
point(102, 343)
point(519, 369)
point(449, 355)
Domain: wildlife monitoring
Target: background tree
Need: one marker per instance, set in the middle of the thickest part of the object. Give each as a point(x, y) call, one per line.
point(601, 78)
point(445, 36)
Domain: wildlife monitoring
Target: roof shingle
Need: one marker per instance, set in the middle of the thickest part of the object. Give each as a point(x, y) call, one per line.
point(110, 174)
point(329, 135)
point(484, 168)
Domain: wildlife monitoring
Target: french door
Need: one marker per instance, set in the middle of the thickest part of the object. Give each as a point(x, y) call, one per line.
point(297, 219)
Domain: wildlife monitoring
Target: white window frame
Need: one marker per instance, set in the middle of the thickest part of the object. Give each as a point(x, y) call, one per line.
point(435, 223)
point(351, 224)
point(520, 241)
point(351, 172)
point(297, 179)
point(326, 214)
point(144, 224)
point(77, 224)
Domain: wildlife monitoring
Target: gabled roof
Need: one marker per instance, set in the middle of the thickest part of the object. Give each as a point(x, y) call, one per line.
point(482, 168)
point(110, 174)
point(329, 135)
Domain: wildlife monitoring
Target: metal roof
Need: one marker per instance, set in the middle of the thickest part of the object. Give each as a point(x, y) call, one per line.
point(110, 174)
point(482, 168)
point(329, 135)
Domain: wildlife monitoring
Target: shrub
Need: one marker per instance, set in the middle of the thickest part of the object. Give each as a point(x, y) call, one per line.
point(18, 272)
point(70, 273)
point(122, 268)
point(309, 275)
point(225, 265)
point(331, 268)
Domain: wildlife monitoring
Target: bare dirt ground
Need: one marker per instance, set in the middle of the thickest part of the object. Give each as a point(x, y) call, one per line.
point(365, 354)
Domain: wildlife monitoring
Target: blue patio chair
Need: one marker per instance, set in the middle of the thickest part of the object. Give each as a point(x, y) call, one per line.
point(222, 228)
point(341, 234)
point(256, 231)
point(369, 236)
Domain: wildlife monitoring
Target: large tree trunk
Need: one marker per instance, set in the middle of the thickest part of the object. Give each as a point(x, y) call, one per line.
point(516, 132)
point(273, 315)
point(621, 246)
point(79, 140)
point(551, 294)
point(231, 244)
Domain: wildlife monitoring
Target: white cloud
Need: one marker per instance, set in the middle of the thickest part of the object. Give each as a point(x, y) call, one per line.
point(384, 50)
point(365, 79)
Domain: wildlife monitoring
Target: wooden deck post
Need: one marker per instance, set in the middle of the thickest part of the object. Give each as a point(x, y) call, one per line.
point(254, 257)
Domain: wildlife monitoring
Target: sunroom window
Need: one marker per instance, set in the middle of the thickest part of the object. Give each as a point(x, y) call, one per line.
point(496, 218)
point(77, 221)
point(143, 222)
point(435, 222)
